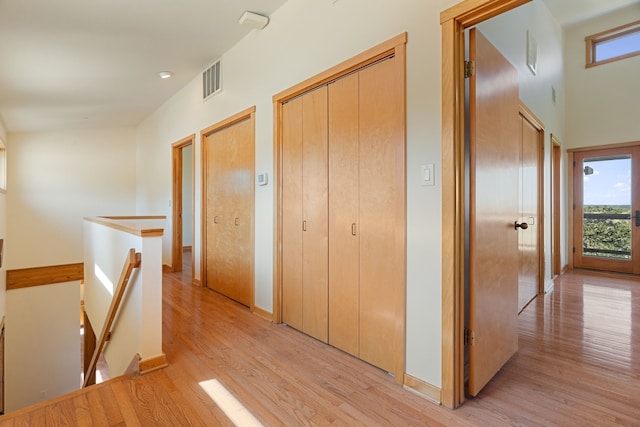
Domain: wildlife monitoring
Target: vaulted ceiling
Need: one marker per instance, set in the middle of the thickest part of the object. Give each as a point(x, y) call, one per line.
point(68, 64)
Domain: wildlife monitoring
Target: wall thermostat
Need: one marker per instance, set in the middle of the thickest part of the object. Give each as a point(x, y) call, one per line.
point(262, 178)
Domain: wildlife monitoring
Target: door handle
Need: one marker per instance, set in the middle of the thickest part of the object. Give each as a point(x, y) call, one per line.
point(215, 219)
point(637, 218)
point(353, 229)
point(304, 225)
point(522, 225)
point(236, 222)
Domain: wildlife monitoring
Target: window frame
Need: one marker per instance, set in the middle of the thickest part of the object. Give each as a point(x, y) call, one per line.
point(593, 40)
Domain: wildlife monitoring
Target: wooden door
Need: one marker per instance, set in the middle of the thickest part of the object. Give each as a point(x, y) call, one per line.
point(344, 200)
point(494, 210)
point(305, 242)
point(606, 216)
point(528, 239)
point(382, 215)
point(229, 192)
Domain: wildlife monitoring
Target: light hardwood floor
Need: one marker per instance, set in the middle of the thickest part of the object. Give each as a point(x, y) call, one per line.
point(578, 365)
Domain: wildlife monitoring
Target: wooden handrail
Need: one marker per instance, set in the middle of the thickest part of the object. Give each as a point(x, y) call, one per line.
point(133, 261)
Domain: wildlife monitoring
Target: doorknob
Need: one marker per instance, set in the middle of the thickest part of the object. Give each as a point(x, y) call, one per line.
point(522, 225)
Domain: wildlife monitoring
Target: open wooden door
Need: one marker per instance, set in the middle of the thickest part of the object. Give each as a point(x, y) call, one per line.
point(494, 210)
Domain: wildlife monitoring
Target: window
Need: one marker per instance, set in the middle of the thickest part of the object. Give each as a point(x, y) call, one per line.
point(3, 167)
point(612, 45)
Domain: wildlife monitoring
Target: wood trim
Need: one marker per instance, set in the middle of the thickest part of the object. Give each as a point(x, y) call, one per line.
point(177, 208)
point(196, 282)
point(38, 276)
point(229, 121)
point(453, 22)
point(151, 364)
point(422, 388)
point(471, 12)
point(605, 147)
point(365, 58)
point(395, 46)
point(570, 160)
point(114, 222)
point(277, 202)
point(556, 158)
point(264, 314)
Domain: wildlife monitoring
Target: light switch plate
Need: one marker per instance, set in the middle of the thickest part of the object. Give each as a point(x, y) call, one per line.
point(427, 174)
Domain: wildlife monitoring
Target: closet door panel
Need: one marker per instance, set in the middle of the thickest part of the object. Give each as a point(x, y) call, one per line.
point(219, 233)
point(315, 242)
point(230, 195)
point(382, 215)
point(292, 213)
point(344, 307)
point(240, 208)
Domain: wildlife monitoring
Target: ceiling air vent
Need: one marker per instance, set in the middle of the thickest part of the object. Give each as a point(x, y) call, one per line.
point(211, 80)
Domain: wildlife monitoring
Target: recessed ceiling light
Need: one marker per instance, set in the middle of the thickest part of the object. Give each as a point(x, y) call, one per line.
point(165, 74)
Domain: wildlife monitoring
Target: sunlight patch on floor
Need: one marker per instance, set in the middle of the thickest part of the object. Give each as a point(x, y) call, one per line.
point(232, 408)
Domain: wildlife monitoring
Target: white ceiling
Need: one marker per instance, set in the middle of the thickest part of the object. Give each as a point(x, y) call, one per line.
point(68, 64)
point(94, 63)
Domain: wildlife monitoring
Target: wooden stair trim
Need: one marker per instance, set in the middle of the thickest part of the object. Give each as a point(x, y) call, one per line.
point(132, 261)
point(153, 364)
point(47, 275)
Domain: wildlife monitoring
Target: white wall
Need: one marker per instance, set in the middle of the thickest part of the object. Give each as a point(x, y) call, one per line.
point(187, 196)
point(58, 178)
point(42, 347)
point(602, 101)
point(3, 235)
point(306, 37)
point(508, 32)
point(55, 180)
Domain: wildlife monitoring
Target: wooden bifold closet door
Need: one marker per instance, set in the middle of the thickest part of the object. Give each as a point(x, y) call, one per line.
point(229, 191)
point(343, 214)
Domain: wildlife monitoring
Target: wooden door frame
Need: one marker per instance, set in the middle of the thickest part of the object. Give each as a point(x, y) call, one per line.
point(556, 159)
point(539, 127)
point(395, 46)
point(177, 182)
point(248, 113)
point(454, 21)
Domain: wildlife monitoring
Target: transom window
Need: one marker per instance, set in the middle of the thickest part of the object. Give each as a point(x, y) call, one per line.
point(612, 45)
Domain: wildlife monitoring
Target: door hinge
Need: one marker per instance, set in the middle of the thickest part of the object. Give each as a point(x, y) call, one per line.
point(574, 250)
point(469, 69)
point(574, 164)
point(469, 337)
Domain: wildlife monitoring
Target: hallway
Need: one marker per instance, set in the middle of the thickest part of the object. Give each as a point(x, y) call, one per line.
point(578, 364)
